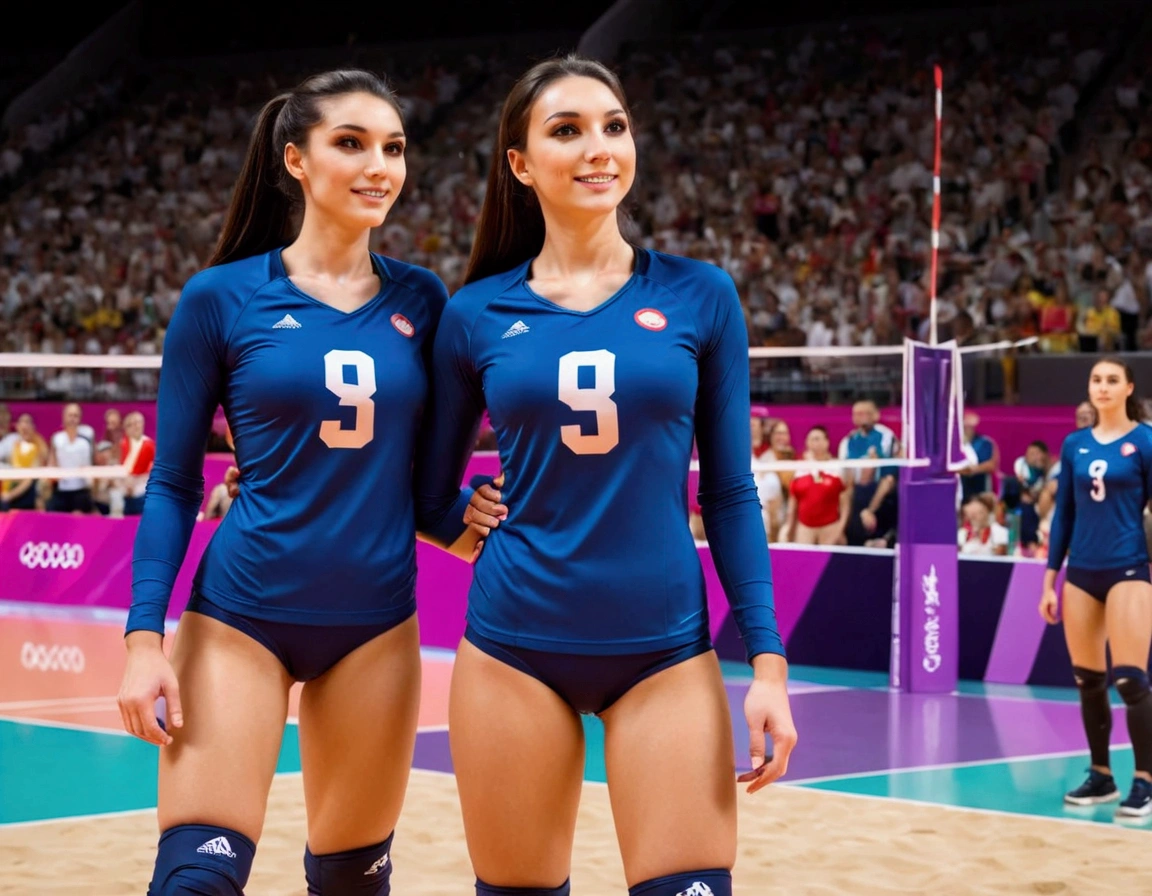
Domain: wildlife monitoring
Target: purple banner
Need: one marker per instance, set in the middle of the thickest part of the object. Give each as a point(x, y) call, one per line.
point(925, 643)
point(929, 650)
point(1021, 628)
point(933, 402)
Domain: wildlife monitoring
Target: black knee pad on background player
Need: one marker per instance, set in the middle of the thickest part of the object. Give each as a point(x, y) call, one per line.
point(1095, 711)
point(366, 871)
point(1132, 685)
point(202, 860)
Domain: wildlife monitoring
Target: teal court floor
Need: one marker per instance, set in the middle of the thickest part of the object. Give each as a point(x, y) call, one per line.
point(994, 748)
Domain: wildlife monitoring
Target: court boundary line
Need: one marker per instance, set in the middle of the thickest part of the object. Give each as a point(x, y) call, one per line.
point(1141, 831)
point(55, 702)
point(946, 766)
point(123, 813)
point(742, 679)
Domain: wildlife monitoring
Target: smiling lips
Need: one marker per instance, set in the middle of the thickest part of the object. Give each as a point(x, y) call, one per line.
point(598, 183)
point(371, 194)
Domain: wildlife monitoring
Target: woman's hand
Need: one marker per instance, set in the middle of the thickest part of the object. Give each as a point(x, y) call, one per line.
point(485, 512)
point(232, 482)
point(769, 715)
point(1050, 606)
point(148, 676)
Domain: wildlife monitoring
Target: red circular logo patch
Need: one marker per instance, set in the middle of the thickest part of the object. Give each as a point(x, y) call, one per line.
point(651, 319)
point(403, 325)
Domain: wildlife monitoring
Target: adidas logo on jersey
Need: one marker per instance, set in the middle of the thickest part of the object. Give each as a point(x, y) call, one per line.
point(697, 889)
point(219, 846)
point(379, 865)
point(287, 322)
point(515, 330)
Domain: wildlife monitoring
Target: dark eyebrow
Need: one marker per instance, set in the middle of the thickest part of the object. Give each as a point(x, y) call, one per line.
point(360, 130)
point(608, 114)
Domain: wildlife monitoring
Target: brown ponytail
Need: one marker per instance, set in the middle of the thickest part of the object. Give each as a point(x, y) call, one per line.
point(259, 213)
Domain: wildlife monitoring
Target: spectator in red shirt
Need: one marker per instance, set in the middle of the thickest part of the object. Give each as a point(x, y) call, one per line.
point(137, 452)
point(820, 501)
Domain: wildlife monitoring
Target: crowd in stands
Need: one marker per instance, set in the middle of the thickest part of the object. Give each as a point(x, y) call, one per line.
point(801, 166)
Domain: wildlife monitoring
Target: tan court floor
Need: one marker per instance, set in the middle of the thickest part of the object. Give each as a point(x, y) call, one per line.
point(793, 841)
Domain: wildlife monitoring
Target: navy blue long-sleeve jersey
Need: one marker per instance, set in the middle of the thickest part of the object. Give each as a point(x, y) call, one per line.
point(324, 408)
point(595, 413)
point(1100, 498)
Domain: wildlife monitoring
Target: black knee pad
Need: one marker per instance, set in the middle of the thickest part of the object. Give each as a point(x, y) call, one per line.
point(1131, 684)
point(366, 871)
point(202, 860)
point(1090, 680)
point(713, 882)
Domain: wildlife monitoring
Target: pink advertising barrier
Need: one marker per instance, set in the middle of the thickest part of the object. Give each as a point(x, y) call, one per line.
point(87, 561)
point(56, 558)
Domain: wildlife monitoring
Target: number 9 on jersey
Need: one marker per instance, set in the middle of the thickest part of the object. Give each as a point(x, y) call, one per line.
point(596, 398)
point(357, 394)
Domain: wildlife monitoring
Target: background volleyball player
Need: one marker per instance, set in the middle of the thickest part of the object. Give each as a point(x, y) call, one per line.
point(598, 363)
point(317, 352)
point(1104, 484)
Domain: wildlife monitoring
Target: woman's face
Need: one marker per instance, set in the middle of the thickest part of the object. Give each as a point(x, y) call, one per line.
point(817, 443)
point(1108, 386)
point(352, 168)
point(579, 155)
point(976, 514)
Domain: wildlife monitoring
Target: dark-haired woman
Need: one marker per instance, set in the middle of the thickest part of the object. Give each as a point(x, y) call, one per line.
point(1104, 485)
point(819, 502)
point(598, 363)
point(317, 350)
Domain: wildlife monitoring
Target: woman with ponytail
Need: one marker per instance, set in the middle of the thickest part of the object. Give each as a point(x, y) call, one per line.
point(317, 349)
point(1104, 485)
point(599, 364)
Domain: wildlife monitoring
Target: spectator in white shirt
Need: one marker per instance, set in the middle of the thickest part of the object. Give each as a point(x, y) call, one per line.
point(980, 534)
point(70, 448)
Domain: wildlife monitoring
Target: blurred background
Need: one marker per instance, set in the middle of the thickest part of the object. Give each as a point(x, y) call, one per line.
point(791, 147)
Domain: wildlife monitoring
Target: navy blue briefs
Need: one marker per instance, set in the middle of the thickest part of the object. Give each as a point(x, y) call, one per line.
point(588, 683)
point(307, 651)
point(1098, 582)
